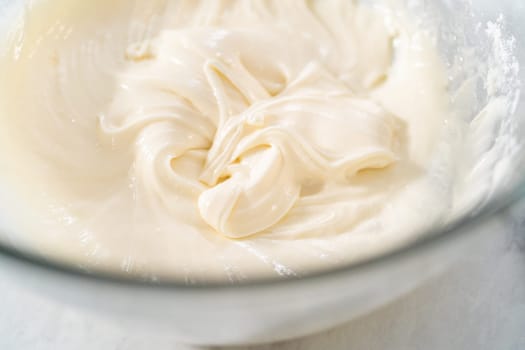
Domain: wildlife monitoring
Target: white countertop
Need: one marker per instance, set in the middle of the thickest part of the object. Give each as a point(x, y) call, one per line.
point(479, 304)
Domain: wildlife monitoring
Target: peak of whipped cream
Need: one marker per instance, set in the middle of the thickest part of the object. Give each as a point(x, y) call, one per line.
point(257, 110)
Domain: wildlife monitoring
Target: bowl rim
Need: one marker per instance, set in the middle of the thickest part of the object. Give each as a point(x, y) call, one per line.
point(459, 227)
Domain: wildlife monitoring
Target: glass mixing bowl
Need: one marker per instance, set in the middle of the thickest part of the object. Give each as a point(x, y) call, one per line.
point(481, 46)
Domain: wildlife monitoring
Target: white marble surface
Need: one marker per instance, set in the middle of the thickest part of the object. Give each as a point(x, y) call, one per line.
point(479, 304)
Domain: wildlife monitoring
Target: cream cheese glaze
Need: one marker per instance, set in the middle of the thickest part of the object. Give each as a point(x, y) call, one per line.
point(213, 139)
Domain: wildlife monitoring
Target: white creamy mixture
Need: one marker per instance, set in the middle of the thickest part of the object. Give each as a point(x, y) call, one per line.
point(221, 139)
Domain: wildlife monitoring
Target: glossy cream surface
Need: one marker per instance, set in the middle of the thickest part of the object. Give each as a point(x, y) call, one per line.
point(221, 139)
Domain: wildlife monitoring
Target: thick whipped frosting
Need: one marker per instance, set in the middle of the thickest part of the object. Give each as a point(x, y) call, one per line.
point(212, 139)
